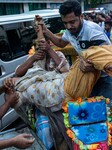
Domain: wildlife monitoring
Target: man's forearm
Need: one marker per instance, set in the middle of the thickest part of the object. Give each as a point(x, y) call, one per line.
point(3, 109)
point(54, 56)
point(21, 70)
point(55, 39)
point(6, 143)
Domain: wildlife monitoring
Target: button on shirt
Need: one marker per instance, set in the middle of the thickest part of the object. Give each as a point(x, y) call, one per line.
point(90, 34)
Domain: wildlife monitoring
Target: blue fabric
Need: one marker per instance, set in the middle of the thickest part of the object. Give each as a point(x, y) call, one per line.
point(108, 34)
point(103, 87)
point(92, 133)
point(43, 129)
point(86, 112)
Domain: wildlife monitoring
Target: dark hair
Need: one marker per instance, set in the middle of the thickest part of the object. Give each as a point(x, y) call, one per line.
point(109, 23)
point(91, 16)
point(70, 6)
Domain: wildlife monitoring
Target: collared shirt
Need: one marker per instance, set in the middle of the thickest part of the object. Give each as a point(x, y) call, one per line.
point(91, 34)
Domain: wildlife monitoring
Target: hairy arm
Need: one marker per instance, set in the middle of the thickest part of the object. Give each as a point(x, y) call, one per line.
point(3, 109)
point(56, 40)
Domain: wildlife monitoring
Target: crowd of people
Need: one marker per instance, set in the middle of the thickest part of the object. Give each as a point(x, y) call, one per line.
point(104, 20)
point(42, 82)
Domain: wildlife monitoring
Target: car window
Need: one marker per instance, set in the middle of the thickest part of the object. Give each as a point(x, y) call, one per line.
point(27, 33)
point(16, 39)
point(5, 53)
point(55, 24)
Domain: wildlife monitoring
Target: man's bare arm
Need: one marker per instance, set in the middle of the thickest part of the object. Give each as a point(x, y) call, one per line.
point(20, 141)
point(3, 109)
point(10, 101)
point(22, 69)
point(56, 40)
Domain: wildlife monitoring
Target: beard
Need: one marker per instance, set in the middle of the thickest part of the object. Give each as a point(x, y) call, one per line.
point(76, 31)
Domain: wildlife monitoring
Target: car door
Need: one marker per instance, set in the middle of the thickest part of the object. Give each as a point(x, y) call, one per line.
point(14, 47)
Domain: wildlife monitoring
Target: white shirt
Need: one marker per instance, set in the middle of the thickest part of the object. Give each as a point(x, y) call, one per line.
point(90, 34)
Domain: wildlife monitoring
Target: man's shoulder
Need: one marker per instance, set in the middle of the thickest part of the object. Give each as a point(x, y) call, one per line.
point(91, 25)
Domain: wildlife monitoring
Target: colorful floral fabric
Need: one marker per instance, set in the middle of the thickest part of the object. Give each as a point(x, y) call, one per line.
point(85, 112)
point(89, 134)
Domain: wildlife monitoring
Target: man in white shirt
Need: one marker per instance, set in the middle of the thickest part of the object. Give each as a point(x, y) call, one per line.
point(89, 35)
point(82, 34)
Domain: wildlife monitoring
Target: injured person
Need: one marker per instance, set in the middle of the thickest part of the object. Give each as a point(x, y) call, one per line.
point(41, 78)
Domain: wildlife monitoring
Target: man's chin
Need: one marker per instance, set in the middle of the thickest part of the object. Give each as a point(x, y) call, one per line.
point(73, 32)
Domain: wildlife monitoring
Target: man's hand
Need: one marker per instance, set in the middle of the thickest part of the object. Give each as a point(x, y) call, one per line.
point(12, 99)
point(36, 26)
point(23, 141)
point(43, 45)
point(86, 66)
point(108, 68)
point(39, 55)
point(9, 84)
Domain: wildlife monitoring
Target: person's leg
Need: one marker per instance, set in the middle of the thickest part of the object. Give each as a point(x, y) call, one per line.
point(103, 87)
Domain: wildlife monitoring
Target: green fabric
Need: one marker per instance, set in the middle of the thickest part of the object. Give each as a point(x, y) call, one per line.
point(36, 6)
point(7, 9)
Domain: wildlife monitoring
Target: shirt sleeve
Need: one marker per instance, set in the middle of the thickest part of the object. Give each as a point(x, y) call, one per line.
point(65, 36)
point(100, 36)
